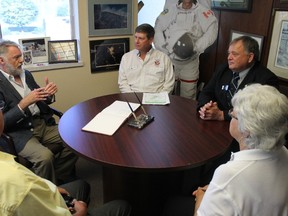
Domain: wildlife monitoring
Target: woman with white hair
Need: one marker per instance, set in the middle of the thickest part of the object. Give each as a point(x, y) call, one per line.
point(254, 181)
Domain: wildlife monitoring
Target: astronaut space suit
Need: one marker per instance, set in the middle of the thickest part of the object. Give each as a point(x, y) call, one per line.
point(183, 34)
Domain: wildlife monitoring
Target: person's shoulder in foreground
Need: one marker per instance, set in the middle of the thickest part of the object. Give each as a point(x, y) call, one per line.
point(244, 185)
point(23, 192)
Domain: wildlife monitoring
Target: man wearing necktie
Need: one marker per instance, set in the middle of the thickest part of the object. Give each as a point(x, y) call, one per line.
point(214, 101)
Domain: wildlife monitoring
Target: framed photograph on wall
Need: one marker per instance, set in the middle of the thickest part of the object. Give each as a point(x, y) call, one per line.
point(236, 5)
point(110, 17)
point(258, 38)
point(38, 47)
point(28, 59)
point(278, 53)
point(62, 51)
point(105, 55)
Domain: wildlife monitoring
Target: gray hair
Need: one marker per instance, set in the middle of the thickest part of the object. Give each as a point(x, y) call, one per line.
point(262, 113)
point(250, 45)
point(4, 44)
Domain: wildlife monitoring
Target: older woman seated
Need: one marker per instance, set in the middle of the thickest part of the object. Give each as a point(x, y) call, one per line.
point(254, 181)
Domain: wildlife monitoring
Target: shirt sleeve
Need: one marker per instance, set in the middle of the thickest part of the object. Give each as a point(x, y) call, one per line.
point(209, 26)
point(217, 200)
point(43, 199)
point(169, 76)
point(123, 84)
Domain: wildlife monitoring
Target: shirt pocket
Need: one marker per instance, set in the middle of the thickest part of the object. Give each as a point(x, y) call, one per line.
point(155, 73)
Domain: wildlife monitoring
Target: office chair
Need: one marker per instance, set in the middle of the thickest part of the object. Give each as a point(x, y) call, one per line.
point(7, 145)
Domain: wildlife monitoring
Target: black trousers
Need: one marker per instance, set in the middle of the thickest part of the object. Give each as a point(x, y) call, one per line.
point(80, 190)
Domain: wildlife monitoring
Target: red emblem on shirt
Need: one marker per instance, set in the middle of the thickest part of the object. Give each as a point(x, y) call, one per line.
point(208, 13)
point(157, 62)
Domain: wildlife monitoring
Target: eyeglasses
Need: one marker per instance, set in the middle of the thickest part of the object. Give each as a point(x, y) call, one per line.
point(230, 113)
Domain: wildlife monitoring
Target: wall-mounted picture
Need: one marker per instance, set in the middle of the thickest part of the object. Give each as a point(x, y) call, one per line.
point(236, 5)
point(278, 53)
point(38, 47)
point(62, 51)
point(110, 17)
point(27, 56)
point(105, 55)
point(258, 38)
point(282, 48)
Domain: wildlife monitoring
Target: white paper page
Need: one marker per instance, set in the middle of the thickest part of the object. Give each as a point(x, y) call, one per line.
point(111, 118)
point(121, 108)
point(105, 123)
point(161, 98)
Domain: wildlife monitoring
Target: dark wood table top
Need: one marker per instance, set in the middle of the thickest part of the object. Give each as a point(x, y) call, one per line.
point(176, 139)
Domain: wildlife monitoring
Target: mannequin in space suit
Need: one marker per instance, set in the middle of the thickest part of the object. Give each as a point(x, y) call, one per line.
point(183, 32)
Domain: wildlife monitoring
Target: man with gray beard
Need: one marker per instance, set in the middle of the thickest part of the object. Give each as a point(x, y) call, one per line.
point(28, 118)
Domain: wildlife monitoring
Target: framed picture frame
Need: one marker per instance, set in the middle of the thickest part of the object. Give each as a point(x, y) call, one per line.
point(235, 5)
point(105, 55)
point(110, 17)
point(28, 59)
point(62, 51)
point(278, 52)
point(258, 38)
point(38, 47)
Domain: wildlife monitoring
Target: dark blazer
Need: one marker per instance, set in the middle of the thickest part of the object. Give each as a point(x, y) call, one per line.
point(18, 125)
point(222, 77)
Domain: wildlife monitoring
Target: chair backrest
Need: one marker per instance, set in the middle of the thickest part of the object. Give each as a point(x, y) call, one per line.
point(7, 145)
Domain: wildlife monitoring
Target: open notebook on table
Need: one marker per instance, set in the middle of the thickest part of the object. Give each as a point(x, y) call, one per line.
point(110, 118)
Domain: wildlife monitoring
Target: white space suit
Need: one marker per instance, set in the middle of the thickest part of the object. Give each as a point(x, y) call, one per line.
point(169, 3)
point(184, 34)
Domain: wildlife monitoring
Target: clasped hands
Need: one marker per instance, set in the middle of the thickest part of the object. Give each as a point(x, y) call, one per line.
point(80, 207)
point(39, 94)
point(210, 111)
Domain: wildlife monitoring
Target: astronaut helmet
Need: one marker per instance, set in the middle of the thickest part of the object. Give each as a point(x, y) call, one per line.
point(184, 47)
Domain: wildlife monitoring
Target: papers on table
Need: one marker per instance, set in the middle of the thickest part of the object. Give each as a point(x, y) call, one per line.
point(161, 98)
point(110, 118)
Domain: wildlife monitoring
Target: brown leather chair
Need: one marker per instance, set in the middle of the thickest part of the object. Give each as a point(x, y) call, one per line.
point(7, 145)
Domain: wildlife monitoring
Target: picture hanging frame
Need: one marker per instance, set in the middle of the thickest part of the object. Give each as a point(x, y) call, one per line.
point(28, 59)
point(110, 17)
point(105, 55)
point(278, 52)
point(235, 5)
point(62, 51)
point(258, 38)
point(38, 47)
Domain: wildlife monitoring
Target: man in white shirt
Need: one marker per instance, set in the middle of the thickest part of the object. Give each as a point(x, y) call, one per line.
point(145, 69)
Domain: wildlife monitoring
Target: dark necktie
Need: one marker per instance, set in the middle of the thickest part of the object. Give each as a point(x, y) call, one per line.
point(234, 84)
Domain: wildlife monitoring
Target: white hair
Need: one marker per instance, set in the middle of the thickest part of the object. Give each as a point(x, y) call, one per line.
point(262, 113)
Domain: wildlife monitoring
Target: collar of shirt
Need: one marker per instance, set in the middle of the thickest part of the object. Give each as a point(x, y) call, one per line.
point(11, 78)
point(243, 74)
point(255, 154)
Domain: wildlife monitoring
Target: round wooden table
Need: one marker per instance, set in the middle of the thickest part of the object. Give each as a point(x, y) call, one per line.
point(176, 139)
point(136, 162)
